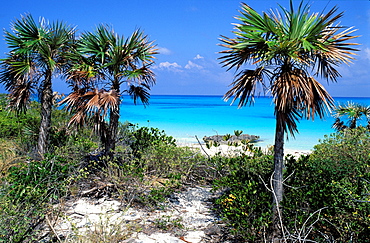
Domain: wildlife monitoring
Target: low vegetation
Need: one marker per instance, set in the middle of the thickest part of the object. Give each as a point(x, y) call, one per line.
point(327, 194)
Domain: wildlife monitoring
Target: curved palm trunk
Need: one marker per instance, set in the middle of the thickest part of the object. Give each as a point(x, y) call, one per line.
point(277, 183)
point(110, 143)
point(46, 107)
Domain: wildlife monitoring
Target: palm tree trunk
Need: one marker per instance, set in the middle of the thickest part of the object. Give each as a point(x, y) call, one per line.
point(46, 101)
point(112, 131)
point(111, 140)
point(277, 183)
point(353, 123)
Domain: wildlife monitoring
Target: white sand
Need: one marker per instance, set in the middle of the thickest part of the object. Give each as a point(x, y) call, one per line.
point(231, 150)
point(192, 208)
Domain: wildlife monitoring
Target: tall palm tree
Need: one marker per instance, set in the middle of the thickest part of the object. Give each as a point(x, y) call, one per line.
point(289, 49)
point(354, 112)
point(36, 54)
point(107, 61)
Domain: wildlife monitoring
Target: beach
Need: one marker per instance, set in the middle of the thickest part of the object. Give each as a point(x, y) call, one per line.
point(227, 150)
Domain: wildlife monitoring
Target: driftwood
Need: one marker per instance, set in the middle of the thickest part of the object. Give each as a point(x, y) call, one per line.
point(97, 189)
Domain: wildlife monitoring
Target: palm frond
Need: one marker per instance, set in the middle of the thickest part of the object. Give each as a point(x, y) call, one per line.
point(245, 86)
point(91, 107)
point(109, 101)
point(139, 93)
point(118, 59)
point(336, 51)
point(297, 95)
point(20, 95)
point(353, 112)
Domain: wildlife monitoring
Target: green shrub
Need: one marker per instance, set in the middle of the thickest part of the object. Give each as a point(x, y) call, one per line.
point(326, 195)
point(12, 125)
point(160, 170)
point(145, 137)
point(169, 160)
point(335, 181)
point(246, 203)
point(26, 192)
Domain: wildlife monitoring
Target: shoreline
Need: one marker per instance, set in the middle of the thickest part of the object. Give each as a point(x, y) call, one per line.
point(291, 145)
point(231, 150)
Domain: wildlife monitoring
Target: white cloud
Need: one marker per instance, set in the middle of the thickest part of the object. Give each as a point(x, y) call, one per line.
point(198, 57)
point(164, 51)
point(367, 53)
point(192, 65)
point(168, 66)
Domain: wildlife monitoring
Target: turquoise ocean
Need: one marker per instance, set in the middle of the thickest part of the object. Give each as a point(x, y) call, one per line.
point(187, 116)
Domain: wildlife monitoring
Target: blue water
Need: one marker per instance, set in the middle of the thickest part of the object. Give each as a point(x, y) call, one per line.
point(185, 117)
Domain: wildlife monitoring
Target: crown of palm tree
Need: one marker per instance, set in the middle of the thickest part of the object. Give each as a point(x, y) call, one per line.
point(289, 48)
point(354, 112)
point(105, 59)
point(36, 48)
point(118, 58)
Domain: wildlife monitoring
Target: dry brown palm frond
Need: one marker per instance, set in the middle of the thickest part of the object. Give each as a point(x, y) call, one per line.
point(298, 95)
point(91, 107)
point(100, 126)
point(288, 87)
point(321, 101)
point(109, 100)
point(78, 119)
point(288, 91)
point(91, 101)
point(245, 86)
point(81, 78)
point(71, 101)
point(335, 50)
point(20, 96)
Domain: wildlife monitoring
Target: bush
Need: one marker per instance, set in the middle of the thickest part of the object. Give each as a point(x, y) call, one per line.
point(170, 161)
point(26, 192)
point(246, 203)
point(160, 170)
point(12, 124)
point(145, 137)
point(335, 181)
point(326, 195)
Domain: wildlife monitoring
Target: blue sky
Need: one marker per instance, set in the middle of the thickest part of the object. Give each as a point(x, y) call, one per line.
point(187, 34)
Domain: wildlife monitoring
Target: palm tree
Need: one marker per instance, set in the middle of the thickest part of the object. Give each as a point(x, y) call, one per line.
point(354, 112)
point(36, 54)
point(289, 48)
point(106, 60)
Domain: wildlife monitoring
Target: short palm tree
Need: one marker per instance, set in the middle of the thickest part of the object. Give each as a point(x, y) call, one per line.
point(289, 48)
point(353, 112)
point(105, 61)
point(36, 54)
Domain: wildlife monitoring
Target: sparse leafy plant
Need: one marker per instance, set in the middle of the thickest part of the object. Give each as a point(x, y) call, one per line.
point(246, 204)
point(145, 137)
point(168, 222)
point(27, 191)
